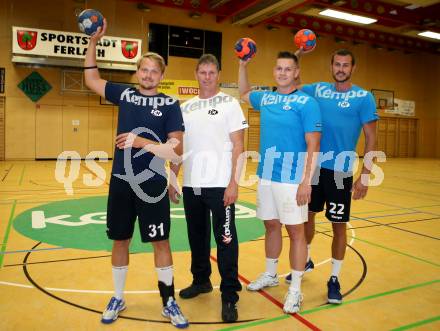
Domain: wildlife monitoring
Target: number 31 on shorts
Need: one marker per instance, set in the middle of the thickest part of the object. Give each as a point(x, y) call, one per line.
point(154, 229)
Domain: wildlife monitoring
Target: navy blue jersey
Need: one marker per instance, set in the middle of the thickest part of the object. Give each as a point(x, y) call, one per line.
point(151, 117)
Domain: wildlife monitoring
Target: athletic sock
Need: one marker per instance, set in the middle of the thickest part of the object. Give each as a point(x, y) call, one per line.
point(309, 247)
point(271, 266)
point(336, 267)
point(296, 280)
point(119, 277)
point(165, 283)
point(165, 275)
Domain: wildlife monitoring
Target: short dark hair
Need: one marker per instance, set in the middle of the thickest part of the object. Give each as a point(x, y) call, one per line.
point(344, 52)
point(287, 55)
point(207, 59)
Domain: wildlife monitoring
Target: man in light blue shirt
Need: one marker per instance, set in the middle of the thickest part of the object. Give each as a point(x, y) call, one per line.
point(346, 110)
point(290, 125)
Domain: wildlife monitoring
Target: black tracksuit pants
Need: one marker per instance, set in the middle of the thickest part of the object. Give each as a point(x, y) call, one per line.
point(199, 203)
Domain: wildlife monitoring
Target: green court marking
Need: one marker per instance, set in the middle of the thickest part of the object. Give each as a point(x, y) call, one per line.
point(417, 324)
point(256, 323)
point(81, 224)
point(6, 237)
point(396, 251)
point(21, 176)
point(374, 296)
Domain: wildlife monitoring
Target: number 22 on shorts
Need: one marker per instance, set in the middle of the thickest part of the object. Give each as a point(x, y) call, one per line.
point(333, 210)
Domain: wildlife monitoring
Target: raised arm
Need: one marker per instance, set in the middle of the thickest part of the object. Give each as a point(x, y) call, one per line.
point(91, 72)
point(244, 87)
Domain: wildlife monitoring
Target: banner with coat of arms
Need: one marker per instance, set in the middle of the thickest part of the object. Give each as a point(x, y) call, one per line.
point(50, 43)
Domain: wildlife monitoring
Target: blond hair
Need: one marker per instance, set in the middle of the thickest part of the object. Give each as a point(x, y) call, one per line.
point(154, 57)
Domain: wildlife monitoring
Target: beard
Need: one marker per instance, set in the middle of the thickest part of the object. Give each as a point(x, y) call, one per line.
point(343, 80)
point(148, 85)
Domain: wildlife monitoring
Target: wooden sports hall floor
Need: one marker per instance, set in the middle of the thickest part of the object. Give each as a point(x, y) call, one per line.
point(390, 278)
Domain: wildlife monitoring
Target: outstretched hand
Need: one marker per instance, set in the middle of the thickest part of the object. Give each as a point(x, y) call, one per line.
point(300, 51)
point(100, 32)
point(244, 63)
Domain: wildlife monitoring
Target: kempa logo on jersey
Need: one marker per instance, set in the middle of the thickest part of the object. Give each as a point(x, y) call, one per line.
point(156, 112)
point(272, 99)
point(343, 104)
point(227, 238)
point(139, 100)
point(322, 91)
point(213, 112)
point(204, 103)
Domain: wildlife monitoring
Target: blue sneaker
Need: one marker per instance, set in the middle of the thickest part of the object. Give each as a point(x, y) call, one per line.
point(309, 267)
point(112, 311)
point(334, 290)
point(173, 313)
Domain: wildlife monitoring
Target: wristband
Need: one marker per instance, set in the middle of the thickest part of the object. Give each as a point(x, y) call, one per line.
point(92, 67)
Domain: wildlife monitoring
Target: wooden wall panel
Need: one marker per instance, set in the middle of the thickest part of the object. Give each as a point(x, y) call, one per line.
point(49, 132)
point(101, 129)
point(253, 133)
point(76, 129)
point(20, 129)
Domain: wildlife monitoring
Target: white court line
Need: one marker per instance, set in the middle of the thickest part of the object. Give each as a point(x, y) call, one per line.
point(16, 284)
point(54, 289)
point(353, 237)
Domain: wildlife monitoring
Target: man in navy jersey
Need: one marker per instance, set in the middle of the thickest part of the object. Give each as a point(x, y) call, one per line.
point(346, 109)
point(290, 125)
point(150, 130)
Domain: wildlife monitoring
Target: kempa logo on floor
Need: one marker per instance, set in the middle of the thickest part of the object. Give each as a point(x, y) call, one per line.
point(81, 223)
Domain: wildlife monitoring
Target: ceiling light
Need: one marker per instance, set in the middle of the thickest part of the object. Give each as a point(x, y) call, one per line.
point(347, 17)
point(430, 34)
point(272, 28)
point(195, 15)
point(412, 7)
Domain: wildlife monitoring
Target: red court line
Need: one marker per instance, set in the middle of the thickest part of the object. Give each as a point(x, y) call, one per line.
point(276, 302)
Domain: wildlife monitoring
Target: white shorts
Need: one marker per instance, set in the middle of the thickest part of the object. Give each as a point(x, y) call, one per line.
point(278, 201)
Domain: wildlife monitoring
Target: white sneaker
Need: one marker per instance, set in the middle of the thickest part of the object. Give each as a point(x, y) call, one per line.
point(265, 280)
point(174, 314)
point(292, 303)
point(112, 311)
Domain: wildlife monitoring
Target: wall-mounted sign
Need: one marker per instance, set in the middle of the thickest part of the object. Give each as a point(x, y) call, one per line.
point(403, 107)
point(179, 89)
point(61, 44)
point(34, 86)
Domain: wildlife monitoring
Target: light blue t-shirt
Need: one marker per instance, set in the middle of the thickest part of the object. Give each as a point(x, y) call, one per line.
point(343, 115)
point(284, 120)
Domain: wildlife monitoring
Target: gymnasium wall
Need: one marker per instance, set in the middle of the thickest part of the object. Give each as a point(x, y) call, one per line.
point(411, 76)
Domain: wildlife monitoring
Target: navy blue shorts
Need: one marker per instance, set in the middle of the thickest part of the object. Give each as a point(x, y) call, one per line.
point(334, 191)
point(124, 206)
